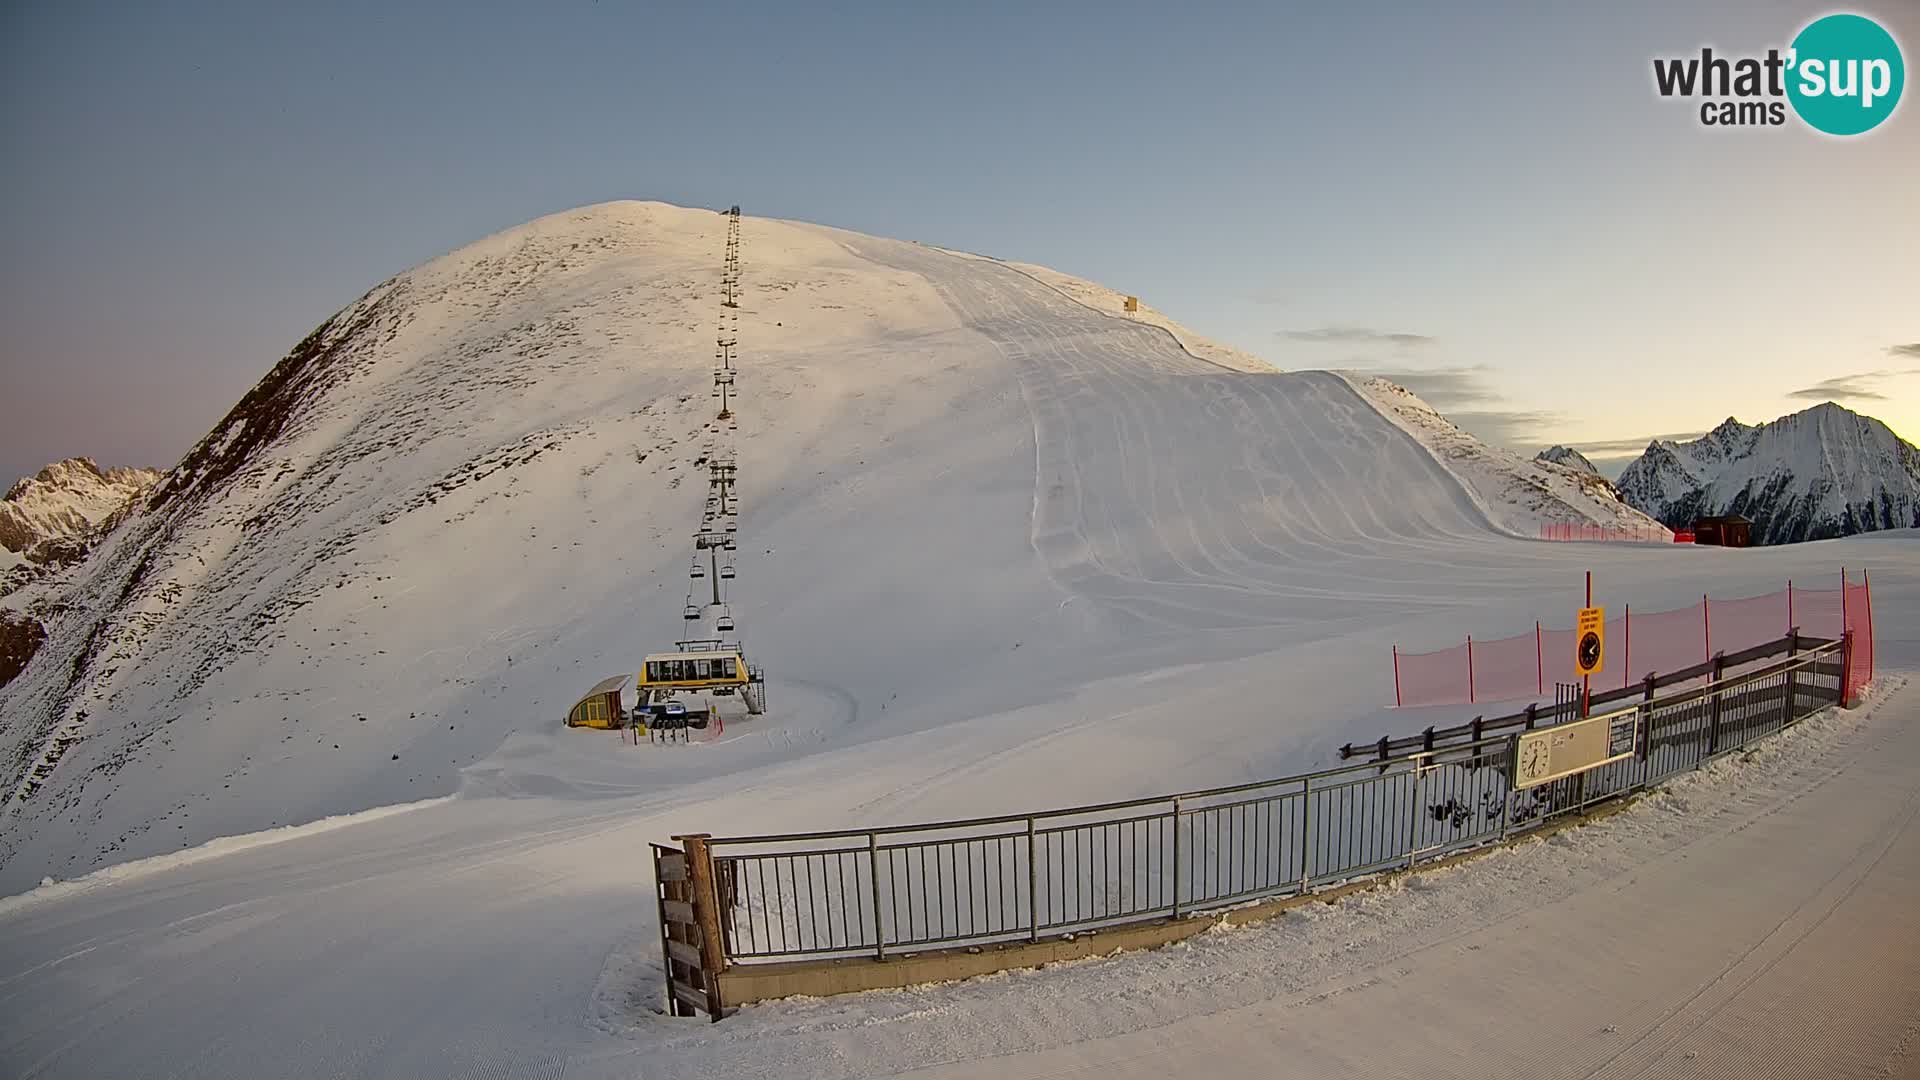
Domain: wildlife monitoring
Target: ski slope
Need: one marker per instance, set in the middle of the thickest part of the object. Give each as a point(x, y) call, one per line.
point(468, 496)
point(1001, 549)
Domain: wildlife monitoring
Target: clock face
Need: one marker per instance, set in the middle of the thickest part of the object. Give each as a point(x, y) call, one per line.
point(1533, 762)
point(1589, 651)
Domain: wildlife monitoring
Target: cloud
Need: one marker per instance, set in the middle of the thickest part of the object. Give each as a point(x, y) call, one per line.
point(1912, 350)
point(1465, 396)
point(1859, 386)
point(1351, 335)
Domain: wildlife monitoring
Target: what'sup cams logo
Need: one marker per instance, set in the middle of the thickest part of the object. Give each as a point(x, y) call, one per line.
point(1842, 75)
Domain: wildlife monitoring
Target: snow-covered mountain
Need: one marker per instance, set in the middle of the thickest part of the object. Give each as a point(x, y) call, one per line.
point(1516, 494)
point(966, 487)
point(67, 500)
point(1823, 472)
point(50, 520)
point(1567, 456)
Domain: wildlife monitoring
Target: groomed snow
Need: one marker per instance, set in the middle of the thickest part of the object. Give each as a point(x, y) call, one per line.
point(1757, 913)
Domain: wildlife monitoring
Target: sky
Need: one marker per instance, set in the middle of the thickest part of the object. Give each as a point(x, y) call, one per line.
point(1486, 200)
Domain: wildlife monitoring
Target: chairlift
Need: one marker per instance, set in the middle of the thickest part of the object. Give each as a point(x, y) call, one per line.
point(693, 612)
point(724, 623)
point(726, 572)
point(699, 570)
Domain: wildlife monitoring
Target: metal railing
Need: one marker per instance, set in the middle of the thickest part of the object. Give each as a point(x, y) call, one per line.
point(1024, 877)
point(1526, 719)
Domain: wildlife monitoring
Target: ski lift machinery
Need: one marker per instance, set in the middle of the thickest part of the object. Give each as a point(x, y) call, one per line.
point(705, 665)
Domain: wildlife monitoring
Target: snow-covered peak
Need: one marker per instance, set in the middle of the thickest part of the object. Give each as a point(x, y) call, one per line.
point(1566, 456)
point(1821, 472)
point(67, 500)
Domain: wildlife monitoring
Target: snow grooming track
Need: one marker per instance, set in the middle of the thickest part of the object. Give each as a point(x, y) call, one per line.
point(1182, 494)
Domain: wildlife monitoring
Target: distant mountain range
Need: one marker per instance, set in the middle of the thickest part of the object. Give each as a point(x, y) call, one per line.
point(1567, 456)
point(1823, 472)
point(46, 519)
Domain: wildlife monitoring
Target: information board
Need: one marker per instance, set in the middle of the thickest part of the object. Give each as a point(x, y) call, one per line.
point(1553, 753)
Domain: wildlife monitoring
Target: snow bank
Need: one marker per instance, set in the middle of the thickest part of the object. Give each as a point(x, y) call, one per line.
point(50, 889)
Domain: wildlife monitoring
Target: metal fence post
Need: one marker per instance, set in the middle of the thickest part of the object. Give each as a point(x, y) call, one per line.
point(1713, 713)
point(1846, 664)
point(1306, 831)
point(1513, 780)
point(1793, 650)
point(1413, 819)
point(873, 885)
point(1176, 856)
point(1033, 886)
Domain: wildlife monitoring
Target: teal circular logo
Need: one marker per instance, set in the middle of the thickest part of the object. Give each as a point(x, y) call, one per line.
point(1845, 74)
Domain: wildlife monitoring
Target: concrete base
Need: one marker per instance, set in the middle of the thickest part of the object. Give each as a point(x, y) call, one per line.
point(747, 983)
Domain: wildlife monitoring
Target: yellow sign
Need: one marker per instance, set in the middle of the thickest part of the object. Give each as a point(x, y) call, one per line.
point(1590, 641)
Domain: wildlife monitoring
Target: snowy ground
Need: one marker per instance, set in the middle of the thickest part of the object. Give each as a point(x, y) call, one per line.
point(1007, 552)
point(1758, 912)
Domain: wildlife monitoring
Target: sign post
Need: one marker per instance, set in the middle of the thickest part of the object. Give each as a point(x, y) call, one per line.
point(1590, 646)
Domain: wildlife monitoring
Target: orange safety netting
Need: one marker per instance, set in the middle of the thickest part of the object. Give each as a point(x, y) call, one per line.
point(1614, 534)
point(1640, 644)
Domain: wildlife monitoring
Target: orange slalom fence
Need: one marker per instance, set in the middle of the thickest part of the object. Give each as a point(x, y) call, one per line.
point(1640, 643)
point(1616, 534)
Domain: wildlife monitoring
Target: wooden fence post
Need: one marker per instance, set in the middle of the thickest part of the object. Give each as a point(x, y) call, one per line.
point(706, 912)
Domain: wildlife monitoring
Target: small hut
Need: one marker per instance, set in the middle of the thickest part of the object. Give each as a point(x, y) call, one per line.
point(1729, 530)
point(601, 707)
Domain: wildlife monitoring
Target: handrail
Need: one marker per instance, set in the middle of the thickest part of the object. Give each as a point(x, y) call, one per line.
point(1805, 658)
point(1056, 873)
point(1792, 642)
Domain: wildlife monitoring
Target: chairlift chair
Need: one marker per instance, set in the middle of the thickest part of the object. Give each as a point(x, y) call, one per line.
point(693, 612)
point(699, 570)
point(724, 623)
point(726, 572)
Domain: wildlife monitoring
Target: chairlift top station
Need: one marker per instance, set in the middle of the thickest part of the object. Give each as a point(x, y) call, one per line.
point(715, 665)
